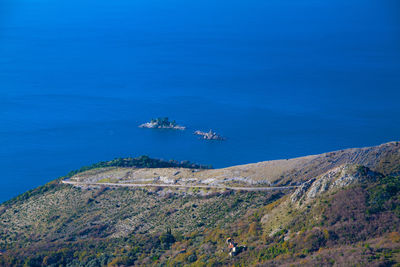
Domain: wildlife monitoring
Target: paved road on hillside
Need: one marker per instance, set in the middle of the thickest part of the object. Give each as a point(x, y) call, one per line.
point(182, 186)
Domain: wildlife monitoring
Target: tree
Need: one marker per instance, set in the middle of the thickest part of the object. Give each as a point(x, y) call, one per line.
point(167, 239)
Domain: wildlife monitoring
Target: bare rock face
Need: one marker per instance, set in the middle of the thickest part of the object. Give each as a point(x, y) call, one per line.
point(301, 191)
point(336, 178)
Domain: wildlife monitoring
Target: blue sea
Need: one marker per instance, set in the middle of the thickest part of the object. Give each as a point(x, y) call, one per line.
point(278, 78)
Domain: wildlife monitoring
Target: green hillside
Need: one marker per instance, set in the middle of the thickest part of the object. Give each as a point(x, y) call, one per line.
point(347, 215)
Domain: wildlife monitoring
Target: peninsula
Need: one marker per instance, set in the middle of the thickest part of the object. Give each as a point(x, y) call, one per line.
point(162, 123)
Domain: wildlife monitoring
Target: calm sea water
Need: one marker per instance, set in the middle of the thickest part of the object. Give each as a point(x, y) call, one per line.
point(278, 78)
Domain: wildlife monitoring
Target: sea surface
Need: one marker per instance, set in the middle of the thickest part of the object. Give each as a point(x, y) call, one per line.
point(278, 78)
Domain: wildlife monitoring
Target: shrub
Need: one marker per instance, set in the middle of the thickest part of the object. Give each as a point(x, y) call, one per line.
point(387, 188)
point(167, 239)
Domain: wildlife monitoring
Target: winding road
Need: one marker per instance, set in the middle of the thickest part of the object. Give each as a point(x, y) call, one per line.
point(180, 186)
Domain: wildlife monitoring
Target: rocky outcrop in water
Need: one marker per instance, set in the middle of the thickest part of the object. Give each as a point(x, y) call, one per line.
point(162, 123)
point(210, 135)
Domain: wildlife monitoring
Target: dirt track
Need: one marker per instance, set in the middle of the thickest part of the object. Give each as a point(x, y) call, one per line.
point(180, 186)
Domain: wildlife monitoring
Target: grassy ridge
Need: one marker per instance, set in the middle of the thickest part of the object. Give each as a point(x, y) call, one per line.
point(140, 162)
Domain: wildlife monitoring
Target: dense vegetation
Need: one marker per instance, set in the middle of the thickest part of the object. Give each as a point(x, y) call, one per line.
point(164, 121)
point(80, 227)
point(385, 196)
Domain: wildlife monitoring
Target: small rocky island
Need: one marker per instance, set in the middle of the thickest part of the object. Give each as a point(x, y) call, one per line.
point(210, 135)
point(162, 123)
